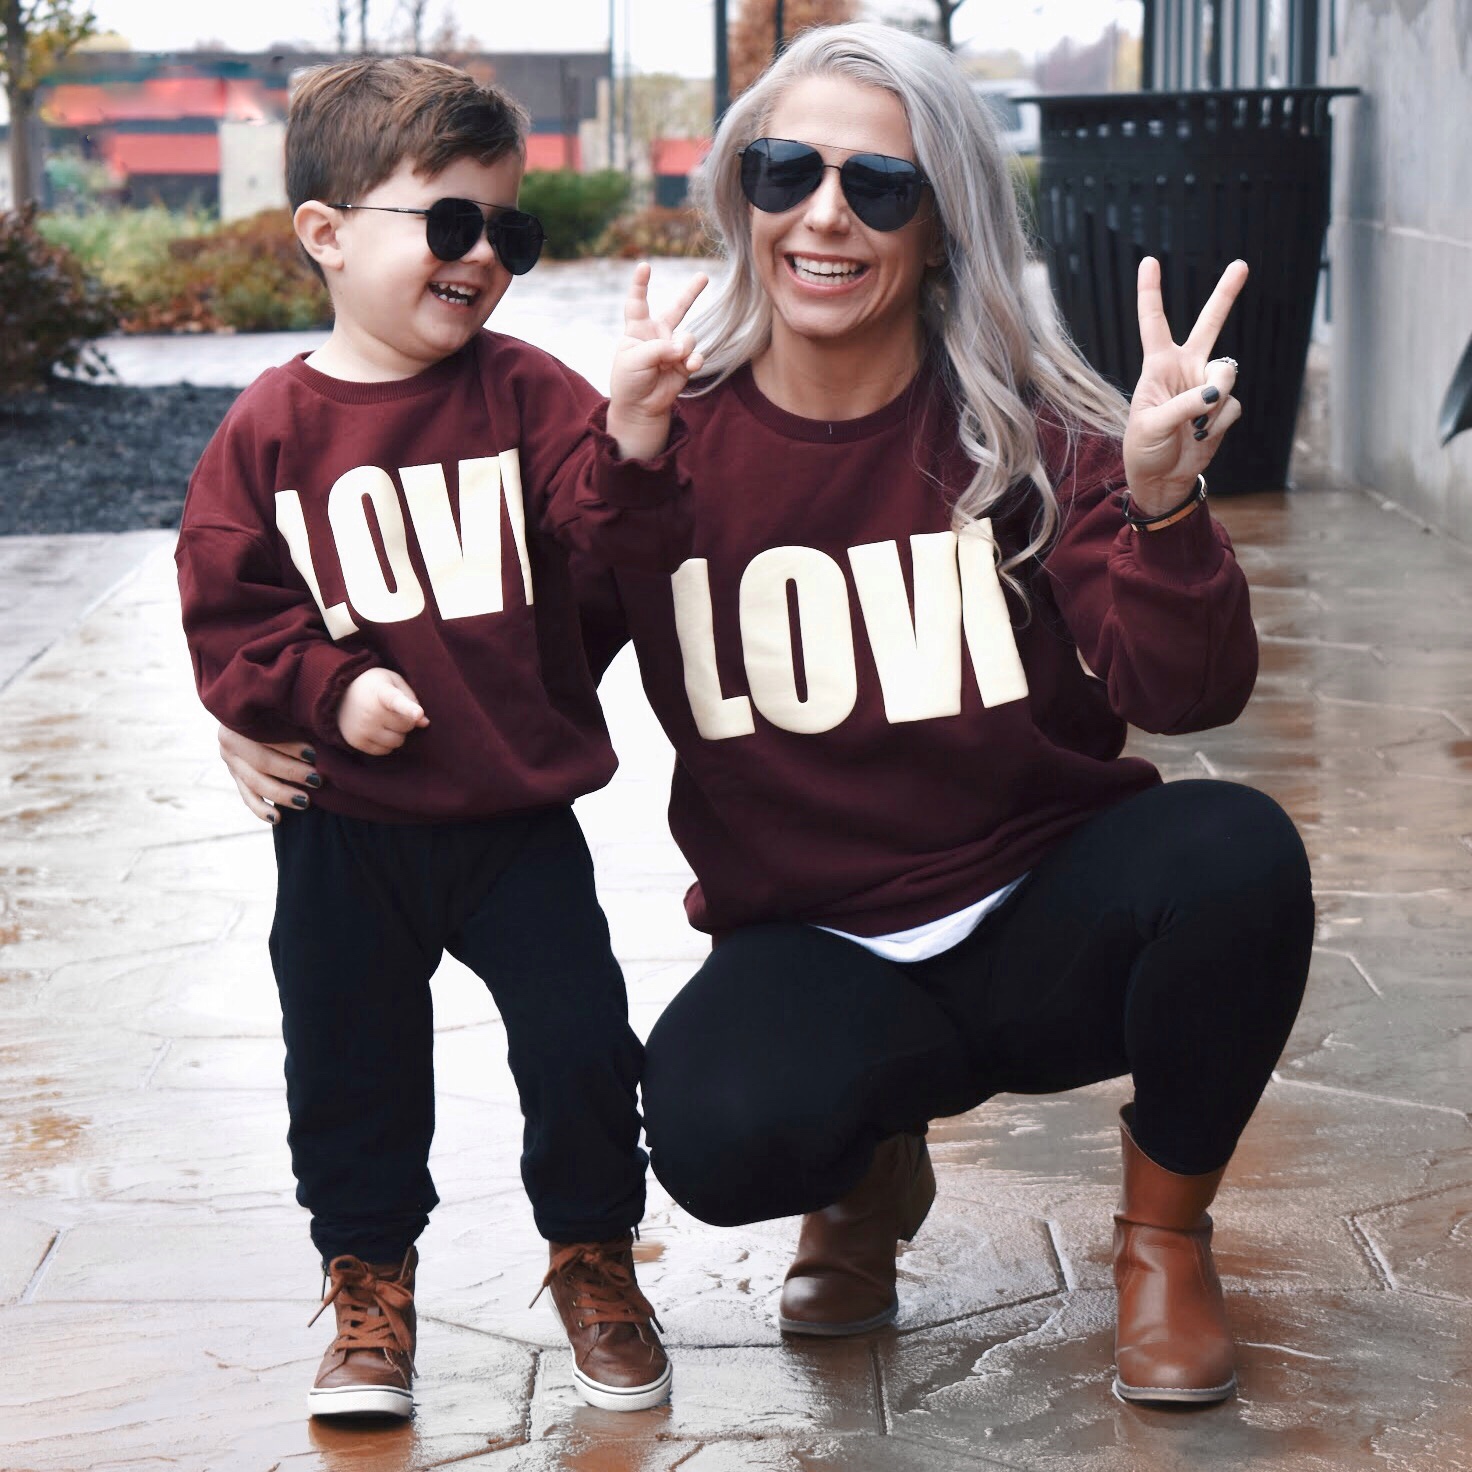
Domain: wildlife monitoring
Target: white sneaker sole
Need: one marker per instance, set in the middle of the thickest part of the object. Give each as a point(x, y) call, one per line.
point(623, 1397)
point(360, 1400)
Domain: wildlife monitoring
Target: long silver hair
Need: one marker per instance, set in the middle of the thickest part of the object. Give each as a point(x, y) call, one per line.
point(1001, 353)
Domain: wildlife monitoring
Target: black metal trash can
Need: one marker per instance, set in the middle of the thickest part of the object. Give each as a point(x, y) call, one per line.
point(1196, 179)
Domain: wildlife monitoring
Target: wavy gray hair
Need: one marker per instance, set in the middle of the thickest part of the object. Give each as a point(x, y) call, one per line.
point(998, 351)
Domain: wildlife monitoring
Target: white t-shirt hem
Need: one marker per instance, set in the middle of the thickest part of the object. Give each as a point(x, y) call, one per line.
point(920, 942)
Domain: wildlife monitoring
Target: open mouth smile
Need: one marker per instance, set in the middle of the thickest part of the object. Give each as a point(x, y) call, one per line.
point(452, 295)
point(813, 271)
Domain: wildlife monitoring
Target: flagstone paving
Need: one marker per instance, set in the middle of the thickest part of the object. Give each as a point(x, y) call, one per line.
point(156, 1277)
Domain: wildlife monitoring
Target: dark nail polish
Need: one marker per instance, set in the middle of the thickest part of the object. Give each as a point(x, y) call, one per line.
point(312, 780)
point(299, 801)
point(1199, 422)
point(273, 817)
point(308, 754)
point(1200, 434)
point(1211, 393)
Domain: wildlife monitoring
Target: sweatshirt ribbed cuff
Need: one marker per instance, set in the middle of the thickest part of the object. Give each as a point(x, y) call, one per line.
point(1185, 553)
point(635, 483)
point(321, 682)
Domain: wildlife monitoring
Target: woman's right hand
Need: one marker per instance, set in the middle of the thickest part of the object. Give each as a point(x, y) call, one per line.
point(271, 779)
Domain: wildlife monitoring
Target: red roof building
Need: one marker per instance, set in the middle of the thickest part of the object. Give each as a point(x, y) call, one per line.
point(677, 156)
point(128, 154)
point(155, 119)
point(672, 161)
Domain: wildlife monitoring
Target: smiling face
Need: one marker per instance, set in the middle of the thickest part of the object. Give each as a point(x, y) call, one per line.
point(836, 285)
point(399, 309)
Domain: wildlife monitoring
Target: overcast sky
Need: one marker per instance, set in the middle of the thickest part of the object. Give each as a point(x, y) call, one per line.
point(662, 35)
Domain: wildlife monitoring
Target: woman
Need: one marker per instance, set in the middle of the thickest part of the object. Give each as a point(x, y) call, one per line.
point(936, 572)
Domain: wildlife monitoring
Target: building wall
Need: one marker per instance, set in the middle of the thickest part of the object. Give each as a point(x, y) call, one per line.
point(252, 168)
point(1401, 245)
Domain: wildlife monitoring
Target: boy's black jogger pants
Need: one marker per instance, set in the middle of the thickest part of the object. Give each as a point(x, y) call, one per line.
point(363, 912)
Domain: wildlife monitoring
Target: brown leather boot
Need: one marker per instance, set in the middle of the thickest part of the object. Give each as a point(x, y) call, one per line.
point(842, 1280)
point(369, 1368)
point(618, 1362)
point(1171, 1341)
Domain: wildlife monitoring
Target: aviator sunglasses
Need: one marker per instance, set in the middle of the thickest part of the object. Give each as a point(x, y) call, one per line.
point(778, 173)
point(452, 227)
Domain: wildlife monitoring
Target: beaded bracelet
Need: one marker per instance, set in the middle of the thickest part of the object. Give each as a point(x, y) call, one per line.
point(1167, 518)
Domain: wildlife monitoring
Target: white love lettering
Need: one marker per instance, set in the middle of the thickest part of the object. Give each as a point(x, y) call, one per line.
point(464, 568)
point(917, 650)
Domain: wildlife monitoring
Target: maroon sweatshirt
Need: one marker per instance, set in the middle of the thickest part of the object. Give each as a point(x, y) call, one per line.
point(871, 733)
point(423, 525)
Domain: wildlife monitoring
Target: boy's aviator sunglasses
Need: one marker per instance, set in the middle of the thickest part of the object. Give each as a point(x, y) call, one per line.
point(778, 173)
point(452, 226)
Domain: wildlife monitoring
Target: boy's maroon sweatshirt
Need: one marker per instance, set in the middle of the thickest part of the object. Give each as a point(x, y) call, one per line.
point(872, 731)
point(423, 525)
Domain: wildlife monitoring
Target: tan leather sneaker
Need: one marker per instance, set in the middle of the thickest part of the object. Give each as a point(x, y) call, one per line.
point(618, 1363)
point(369, 1368)
point(842, 1279)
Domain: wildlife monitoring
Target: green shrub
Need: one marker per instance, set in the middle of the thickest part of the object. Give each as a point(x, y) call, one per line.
point(77, 182)
point(51, 310)
point(656, 231)
point(248, 276)
point(181, 271)
point(573, 208)
point(125, 248)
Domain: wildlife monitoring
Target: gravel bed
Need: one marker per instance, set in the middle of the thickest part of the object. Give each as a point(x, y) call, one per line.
point(82, 457)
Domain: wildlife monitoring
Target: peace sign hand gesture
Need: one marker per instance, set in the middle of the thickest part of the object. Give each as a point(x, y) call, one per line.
point(1182, 404)
point(651, 364)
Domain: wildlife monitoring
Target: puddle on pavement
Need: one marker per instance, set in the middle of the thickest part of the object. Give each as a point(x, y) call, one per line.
point(40, 1142)
point(53, 743)
point(31, 819)
point(380, 1445)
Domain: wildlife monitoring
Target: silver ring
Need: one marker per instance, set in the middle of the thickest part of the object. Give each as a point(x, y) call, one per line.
point(1230, 362)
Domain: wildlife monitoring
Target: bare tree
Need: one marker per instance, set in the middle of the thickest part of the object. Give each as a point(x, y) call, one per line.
point(934, 26)
point(342, 27)
point(945, 9)
point(362, 27)
point(449, 43)
point(414, 14)
point(37, 36)
point(667, 106)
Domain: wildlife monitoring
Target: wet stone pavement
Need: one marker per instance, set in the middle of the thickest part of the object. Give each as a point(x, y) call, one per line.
point(155, 1273)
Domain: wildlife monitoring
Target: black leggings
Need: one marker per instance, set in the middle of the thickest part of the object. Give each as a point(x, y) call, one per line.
point(1167, 938)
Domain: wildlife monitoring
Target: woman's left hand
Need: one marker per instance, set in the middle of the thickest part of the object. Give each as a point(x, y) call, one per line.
point(1183, 402)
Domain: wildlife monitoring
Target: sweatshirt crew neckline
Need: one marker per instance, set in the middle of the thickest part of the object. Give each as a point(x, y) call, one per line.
point(825, 431)
point(385, 391)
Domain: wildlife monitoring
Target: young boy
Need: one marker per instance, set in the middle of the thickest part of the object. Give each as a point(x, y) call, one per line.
point(373, 561)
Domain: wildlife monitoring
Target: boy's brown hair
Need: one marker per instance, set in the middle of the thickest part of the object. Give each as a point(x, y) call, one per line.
point(351, 123)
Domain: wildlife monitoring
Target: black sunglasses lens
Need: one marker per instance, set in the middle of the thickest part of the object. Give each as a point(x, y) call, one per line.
point(517, 240)
point(451, 228)
point(777, 174)
point(883, 192)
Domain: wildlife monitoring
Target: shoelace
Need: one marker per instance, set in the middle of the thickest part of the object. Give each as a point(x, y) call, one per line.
point(603, 1285)
point(375, 1308)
